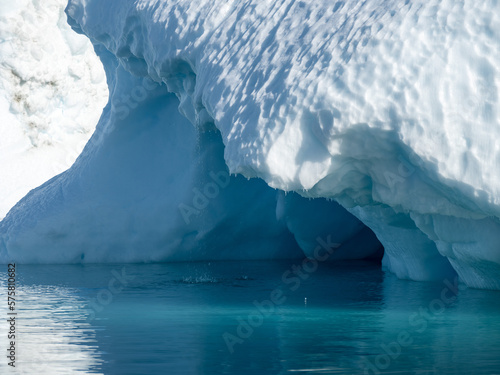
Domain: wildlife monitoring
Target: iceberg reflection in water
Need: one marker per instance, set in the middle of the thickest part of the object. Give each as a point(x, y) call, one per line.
point(219, 318)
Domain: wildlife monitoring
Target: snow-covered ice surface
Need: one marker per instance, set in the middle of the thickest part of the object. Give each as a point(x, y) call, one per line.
point(390, 108)
point(52, 91)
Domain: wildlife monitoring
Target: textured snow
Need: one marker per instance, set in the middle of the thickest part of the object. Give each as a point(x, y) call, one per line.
point(52, 91)
point(390, 108)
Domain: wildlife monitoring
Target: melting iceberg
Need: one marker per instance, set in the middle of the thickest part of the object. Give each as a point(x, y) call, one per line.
point(381, 112)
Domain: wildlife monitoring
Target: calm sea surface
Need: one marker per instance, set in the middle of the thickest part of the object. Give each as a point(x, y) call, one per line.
point(246, 318)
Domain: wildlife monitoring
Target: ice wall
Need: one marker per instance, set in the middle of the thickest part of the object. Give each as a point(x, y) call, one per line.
point(52, 91)
point(387, 107)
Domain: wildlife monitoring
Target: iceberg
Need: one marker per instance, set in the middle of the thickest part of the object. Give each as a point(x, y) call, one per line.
point(247, 130)
point(150, 187)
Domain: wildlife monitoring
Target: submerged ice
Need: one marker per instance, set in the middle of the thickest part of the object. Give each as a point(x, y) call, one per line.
point(374, 121)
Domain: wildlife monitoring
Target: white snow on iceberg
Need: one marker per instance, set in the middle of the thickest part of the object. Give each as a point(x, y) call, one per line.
point(52, 91)
point(390, 108)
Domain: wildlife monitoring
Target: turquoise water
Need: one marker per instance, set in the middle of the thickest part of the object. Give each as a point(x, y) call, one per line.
point(200, 318)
